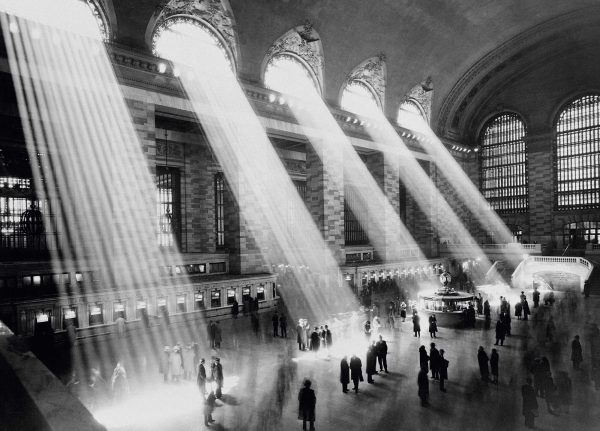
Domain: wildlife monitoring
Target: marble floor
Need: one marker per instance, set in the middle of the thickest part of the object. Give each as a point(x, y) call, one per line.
point(263, 375)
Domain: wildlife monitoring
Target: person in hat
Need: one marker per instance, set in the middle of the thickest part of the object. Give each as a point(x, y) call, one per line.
point(165, 364)
point(217, 377)
point(201, 379)
point(307, 403)
point(443, 372)
point(176, 362)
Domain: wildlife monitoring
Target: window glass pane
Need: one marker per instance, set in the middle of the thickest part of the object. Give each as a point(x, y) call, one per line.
point(168, 201)
point(288, 74)
point(577, 150)
point(504, 181)
point(359, 99)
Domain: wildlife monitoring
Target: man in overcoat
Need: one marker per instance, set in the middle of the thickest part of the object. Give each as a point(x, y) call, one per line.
point(307, 403)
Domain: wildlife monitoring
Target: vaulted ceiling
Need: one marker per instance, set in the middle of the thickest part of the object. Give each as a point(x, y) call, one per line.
point(471, 48)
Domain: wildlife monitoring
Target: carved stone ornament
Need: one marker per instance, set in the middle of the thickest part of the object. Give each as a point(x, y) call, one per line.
point(296, 41)
point(99, 13)
point(373, 72)
point(217, 13)
point(422, 94)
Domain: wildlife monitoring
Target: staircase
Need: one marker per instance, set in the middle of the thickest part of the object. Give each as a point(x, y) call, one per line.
point(594, 279)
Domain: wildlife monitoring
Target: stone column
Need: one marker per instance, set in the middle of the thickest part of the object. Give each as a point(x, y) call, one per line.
point(385, 170)
point(325, 197)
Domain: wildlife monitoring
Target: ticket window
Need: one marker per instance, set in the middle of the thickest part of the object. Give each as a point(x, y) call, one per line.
point(43, 325)
point(260, 292)
point(215, 298)
point(199, 301)
point(70, 317)
point(96, 314)
point(181, 307)
point(246, 291)
point(161, 305)
point(119, 311)
point(230, 296)
point(141, 309)
point(275, 287)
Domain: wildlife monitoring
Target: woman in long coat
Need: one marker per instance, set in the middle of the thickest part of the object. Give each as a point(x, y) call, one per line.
point(423, 359)
point(344, 374)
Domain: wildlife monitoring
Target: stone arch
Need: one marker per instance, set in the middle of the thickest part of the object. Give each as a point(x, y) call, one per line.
point(104, 13)
point(216, 15)
point(303, 43)
point(371, 73)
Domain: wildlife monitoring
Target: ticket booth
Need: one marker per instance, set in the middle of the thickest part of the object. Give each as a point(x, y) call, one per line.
point(119, 311)
point(199, 301)
point(70, 317)
point(96, 314)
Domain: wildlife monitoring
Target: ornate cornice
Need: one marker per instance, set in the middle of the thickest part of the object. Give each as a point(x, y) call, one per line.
point(373, 72)
point(422, 93)
point(451, 117)
point(309, 50)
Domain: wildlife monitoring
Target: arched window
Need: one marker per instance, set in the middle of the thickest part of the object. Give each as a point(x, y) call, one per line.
point(504, 181)
point(359, 98)
point(288, 74)
point(578, 154)
point(170, 40)
point(409, 111)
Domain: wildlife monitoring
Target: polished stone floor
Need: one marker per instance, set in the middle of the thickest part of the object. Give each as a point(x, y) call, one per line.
point(263, 376)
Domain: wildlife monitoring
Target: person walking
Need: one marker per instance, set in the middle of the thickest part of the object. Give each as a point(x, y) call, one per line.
point(283, 325)
point(494, 358)
point(526, 310)
point(432, 326)
point(217, 377)
point(275, 322)
point(423, 359)
point(315, 340)
point(328, 337)
point(423, 383)
point(235, 308)
point(307, 403)
point(416, 324)
point(209, 408)
point(201, 379)
point(300, 336)
point(344, 374)
point(434, 362)
point(371, 363)
point(500, 333)
point(487, 313)
point(530, 404)
point(576, 352)
point(443, 370)
point(536, 297)
point(382, 350)
point(356, 371)
point(218, 335)
point(482, 359)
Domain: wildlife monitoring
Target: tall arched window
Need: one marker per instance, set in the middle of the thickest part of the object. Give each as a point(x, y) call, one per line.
point(359, 98)
point(288, 74)
point(409, 111)
point(171, 40)
point(578, 154)
point(504, 181)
